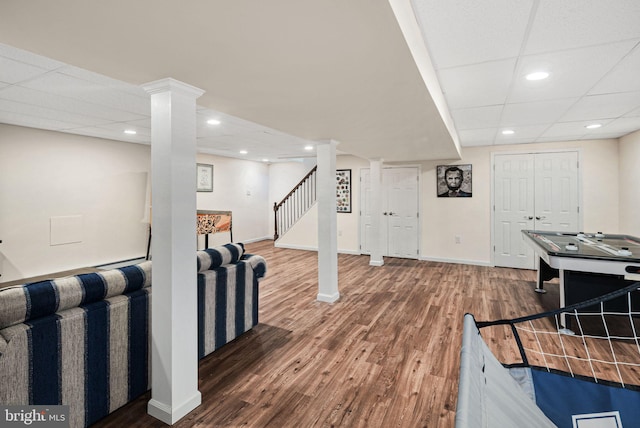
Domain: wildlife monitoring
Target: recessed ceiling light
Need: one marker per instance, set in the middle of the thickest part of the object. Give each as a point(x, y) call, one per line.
point(265, 160)
point(243, 152)
point(308, 148)
point(538, 75)
point(130, 131)
point(508, 132)
point(213, 122)
point(593, 126)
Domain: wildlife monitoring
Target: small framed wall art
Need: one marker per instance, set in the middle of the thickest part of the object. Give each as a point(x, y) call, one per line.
point(204, 177)
point(343, 190)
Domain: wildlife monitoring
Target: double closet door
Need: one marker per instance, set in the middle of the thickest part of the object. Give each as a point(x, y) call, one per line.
point(532, 191)
point(399, 213)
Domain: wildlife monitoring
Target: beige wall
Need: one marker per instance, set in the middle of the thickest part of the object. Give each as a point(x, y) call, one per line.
point(470, 218)
point(240, 186)
point(106, 185)
point(47, 174)
point(630, 184)
point(304, 234)
point(44, 175)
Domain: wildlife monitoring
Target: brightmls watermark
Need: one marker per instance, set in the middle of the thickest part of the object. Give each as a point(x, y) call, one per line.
point(34, 416)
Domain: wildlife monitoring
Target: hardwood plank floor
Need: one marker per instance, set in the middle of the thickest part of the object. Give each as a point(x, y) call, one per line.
point(385, 355)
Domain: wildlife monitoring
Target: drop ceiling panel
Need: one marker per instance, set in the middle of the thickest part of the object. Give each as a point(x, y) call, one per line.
point(142, 123)
point(80, 89)
point(225, 128)
point(25, 57)
point(455, 23)
point(526, 134)
point(20, 119)
point(14, 71)
point(588, 47)
point(606, 106)
point(624, 76)
point(516, 140)
point(566, 129)
point(119, 128)
point(572, 73)
point(109, 134)
point(633, 113)
point(477, 85)
point(104, 81)
point(47, 113)
point(623, 125)
point(515, 115)
point(49, 100)
point(569, 24)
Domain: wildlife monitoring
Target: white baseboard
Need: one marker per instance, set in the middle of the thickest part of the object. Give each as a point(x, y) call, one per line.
point(121, 263)
point(328, 298)
point(264, 238)
point(170, 415)
point(458, 261)
point(294, 247)
point(351, 252)
point(308, 248)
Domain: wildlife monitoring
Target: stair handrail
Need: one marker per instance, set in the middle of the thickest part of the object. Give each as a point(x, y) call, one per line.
point(277, 205)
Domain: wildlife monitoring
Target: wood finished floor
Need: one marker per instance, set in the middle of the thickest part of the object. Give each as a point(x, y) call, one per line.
point(385, 355)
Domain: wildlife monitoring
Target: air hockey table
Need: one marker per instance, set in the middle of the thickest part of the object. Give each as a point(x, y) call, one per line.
point(588, 265)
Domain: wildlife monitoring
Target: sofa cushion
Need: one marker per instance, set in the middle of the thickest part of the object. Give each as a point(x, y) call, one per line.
point(30, 301)
point(213, 258)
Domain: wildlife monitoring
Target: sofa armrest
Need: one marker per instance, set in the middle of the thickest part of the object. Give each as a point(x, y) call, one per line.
point(257, 263)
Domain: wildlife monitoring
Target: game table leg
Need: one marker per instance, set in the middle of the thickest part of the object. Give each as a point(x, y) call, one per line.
point(565, 328)
point(545, 273)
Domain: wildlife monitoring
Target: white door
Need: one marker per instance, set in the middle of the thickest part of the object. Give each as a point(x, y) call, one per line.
point(513, 209)
point(399, 216)
point(532, 191)
point(556, 194)
point(400, 202)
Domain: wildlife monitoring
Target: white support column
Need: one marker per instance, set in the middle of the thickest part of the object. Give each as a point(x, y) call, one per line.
point(327, 223)
point(375, 167)
point(174, 323)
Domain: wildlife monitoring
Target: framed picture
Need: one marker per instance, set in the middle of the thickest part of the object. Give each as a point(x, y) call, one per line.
point(453, 181)
point(204, 177)
point(343, 190)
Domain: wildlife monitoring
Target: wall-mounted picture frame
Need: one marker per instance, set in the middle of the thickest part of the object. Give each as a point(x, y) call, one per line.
point(454, 181)
point(343, 190)
point(204, 177)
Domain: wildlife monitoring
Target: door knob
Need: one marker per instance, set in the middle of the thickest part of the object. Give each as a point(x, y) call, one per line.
point(384, 213)
point(541, 217)
point(530, 217)
point(390, 213)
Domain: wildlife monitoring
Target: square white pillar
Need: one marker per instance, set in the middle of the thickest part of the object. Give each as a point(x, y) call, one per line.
point(376, 258)
point(327, 222)
point(174, 323)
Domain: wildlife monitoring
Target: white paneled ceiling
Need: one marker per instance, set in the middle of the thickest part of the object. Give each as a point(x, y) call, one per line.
point(345, 72)
point(482, 52)
point(41, 93)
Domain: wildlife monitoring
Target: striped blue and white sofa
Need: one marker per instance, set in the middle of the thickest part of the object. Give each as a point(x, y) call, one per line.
point(227, 294)
point(83, 340)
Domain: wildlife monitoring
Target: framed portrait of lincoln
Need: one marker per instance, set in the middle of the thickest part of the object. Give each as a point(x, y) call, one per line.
point(454, 181)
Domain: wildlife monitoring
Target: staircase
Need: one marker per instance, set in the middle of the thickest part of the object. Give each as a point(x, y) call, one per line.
point(289, 210)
